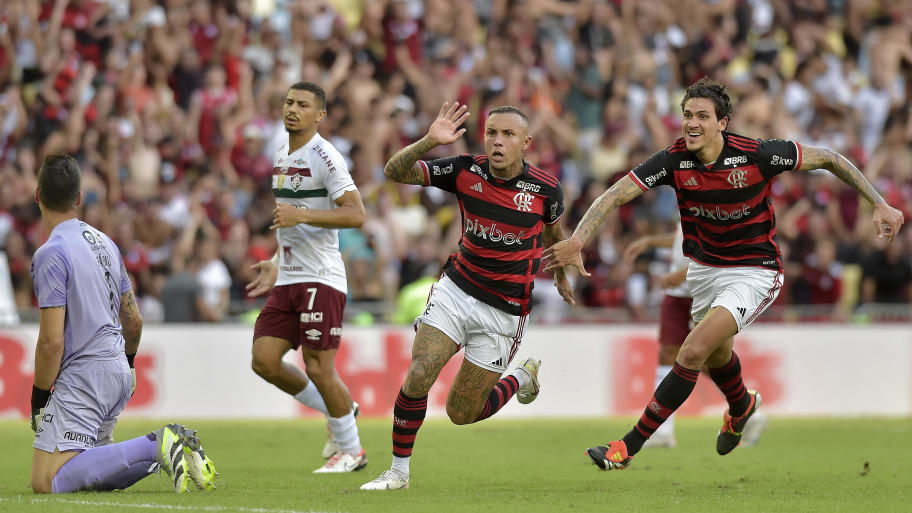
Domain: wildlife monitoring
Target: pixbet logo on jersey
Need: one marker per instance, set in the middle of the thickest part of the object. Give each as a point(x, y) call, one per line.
point(491, 233)
point(719, 214)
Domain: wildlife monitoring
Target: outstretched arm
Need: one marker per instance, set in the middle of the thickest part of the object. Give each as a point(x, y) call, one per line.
point(403, 167)
point(567, 252)
point(887, 220)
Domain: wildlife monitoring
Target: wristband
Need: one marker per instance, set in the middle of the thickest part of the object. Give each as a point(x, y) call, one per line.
point(130, 358)
point(39, 397)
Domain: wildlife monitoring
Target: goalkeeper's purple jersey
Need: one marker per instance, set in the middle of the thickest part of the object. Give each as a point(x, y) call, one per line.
point(80, 267)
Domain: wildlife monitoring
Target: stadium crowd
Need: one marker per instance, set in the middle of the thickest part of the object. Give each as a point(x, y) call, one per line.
point(173, 109)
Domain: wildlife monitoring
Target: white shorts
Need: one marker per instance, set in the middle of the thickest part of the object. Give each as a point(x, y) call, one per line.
point(744, 291)
point(490, 336)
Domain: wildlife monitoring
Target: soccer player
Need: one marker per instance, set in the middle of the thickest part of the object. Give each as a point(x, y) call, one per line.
point(510, 209)
point(723, 184)
point(315, 196)
point(675, 324)
point(88, 336)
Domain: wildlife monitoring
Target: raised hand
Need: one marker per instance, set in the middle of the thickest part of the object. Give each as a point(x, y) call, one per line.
point(445, 129)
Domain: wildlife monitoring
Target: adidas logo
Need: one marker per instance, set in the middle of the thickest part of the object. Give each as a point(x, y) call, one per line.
point(476, 187)
point(741, 311)
point(691, 182)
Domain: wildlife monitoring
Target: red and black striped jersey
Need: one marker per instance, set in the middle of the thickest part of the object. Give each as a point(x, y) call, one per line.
point(501, 245)
point(726, 212)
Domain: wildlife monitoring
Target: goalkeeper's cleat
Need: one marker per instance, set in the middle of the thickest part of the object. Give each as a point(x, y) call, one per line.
point(171, 458)
point(528, 392)
point(331, 448)
point(612, 457)
point(388, 480)
point(732, 427)
point(199, 466)
point(755, 426)
point(343, 462)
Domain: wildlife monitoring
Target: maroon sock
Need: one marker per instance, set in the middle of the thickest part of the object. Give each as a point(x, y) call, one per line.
point(728, 379)
point(669, 396)
point(501, 393)
point(408, 415)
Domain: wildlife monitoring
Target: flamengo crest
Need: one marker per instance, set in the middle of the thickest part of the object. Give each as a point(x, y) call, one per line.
point(523, 201)
point(738, 178)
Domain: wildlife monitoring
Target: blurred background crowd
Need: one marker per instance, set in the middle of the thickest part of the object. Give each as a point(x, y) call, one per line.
point(173, 109)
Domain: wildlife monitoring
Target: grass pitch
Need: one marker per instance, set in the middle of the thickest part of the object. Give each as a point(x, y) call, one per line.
point(501, 465)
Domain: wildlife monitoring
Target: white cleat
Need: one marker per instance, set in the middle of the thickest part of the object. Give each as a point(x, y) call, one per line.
point(666, 440)
point(753, 428)
point(526, 394)
point(331, 448)
point(388, 480)
point(343, 462)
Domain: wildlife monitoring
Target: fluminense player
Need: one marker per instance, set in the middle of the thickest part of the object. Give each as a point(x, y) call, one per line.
point(315, 196)
point(723, 182)
point(88, 336)
point(510, 211)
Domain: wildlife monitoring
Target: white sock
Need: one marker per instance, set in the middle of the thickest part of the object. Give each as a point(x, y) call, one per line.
point(311, 397)
point(345, 433)
point(521, 375)
point(667, 427)
point(400, 465)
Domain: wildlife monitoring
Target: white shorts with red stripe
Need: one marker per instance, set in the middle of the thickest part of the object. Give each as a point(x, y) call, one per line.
point(744, 291)
point(490, 336)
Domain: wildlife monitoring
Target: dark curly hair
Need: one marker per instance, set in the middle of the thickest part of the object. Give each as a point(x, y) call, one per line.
point(712, 90)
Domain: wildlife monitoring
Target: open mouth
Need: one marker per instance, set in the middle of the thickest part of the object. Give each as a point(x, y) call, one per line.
point(497, 154)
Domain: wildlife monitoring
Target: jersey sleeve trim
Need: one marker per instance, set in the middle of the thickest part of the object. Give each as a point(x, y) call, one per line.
point(798, 160)
point(342, 190)
point(556, 220)
point(427, 174)
point(637, 180)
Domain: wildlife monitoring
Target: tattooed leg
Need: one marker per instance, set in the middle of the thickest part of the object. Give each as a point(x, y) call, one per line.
point(431, 351)
point(469, 393)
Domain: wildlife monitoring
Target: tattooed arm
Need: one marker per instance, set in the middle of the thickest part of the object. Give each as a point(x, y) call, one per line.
point(551, 235)
point(403, 167)
point(567, 252)
point(131, 320)
point(886, 219)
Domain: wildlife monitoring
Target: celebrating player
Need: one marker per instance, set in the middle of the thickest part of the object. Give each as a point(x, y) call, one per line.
point(315, 196)
point(675, 324)
point(88, 336)
point(509, 210)
point(723, 184)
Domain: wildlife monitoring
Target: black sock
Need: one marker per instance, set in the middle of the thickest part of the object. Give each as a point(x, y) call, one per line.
point(408, 415)
point(728, 379)
point(669, 396)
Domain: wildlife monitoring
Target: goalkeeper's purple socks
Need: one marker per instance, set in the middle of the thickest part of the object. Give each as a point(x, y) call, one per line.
point(669, 396)
point(110, 467)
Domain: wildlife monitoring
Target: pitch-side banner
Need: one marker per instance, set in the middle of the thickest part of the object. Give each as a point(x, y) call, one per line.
point(204, 371)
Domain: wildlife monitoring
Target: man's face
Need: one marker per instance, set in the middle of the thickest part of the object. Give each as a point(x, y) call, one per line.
point(506, 138)
point(301, 111)
point(700, 125)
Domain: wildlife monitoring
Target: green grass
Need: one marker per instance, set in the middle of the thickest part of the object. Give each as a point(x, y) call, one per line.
point(509, 465)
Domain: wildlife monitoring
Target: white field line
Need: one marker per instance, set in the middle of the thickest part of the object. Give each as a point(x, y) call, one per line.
point(149, 505)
